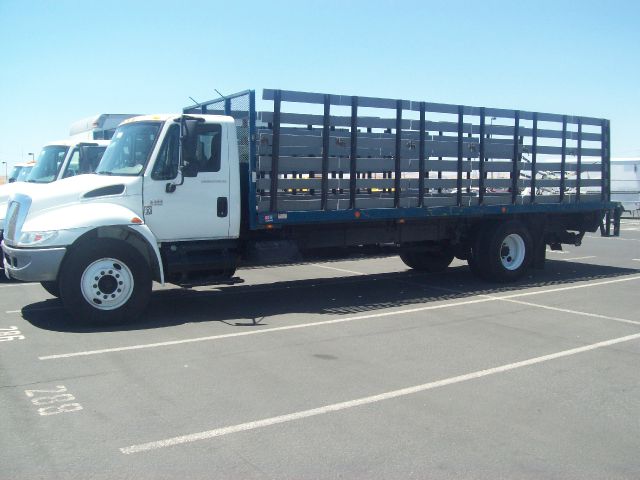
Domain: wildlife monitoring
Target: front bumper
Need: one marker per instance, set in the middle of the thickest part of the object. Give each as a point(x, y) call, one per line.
point(32, 264)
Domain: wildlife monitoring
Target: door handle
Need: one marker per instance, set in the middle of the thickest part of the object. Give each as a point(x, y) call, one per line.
point(223, 206)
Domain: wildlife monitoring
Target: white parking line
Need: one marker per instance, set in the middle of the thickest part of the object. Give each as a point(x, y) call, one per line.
point(478, 299)
point(12, 285)
point(546, 307)
point(574, 312)
point(337, 269)
point(266, 330)
point(614, 238)
point(561, 252)
point(335, 407)
point(43, 309)
point(572, 287)
point(576, 258)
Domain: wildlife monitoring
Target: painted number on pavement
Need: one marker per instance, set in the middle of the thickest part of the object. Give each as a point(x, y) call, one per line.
point(9, 334)
point(52, 402)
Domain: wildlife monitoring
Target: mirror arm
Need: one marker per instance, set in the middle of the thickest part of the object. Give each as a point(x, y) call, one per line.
point(171, 186)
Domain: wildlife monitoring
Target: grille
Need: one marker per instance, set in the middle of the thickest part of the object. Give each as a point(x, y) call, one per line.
point(12, 220)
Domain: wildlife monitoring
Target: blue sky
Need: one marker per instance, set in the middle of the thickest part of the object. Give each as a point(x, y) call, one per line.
point(64, 60)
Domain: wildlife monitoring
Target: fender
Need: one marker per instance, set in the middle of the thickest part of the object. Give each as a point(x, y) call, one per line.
point(74, 221)
point(148, 235)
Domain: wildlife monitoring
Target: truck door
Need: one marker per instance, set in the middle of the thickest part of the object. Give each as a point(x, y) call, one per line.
point(197, 209)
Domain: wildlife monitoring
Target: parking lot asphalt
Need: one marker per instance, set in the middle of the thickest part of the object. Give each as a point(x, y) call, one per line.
point(343, 369)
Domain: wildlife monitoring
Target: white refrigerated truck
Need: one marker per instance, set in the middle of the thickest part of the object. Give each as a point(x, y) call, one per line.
point(98, 127)
point(625, 184)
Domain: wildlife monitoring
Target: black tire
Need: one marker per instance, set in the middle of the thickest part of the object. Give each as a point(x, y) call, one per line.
point(52, 287)
point(122, 287)
point(434, 262)
point(475, 265)
point(503, 252)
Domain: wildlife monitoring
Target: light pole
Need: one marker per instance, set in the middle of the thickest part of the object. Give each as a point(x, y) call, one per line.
point(6, 172)
point(33, 156)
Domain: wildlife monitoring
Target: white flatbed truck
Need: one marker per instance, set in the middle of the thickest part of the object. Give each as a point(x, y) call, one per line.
point(187, 198)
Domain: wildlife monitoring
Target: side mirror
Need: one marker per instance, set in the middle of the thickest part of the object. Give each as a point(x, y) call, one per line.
point(188, 138)
point(186, 151)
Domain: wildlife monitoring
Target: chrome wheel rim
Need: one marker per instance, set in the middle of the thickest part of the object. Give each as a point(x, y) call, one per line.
point(107, 284)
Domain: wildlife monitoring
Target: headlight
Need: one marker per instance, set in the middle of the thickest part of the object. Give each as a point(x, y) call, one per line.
point(34, 238)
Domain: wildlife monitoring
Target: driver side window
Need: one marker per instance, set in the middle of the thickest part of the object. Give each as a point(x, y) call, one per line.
point(74, 164)
point(166, 166)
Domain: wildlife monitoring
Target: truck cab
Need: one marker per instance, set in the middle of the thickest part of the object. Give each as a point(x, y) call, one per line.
point(66, 158)
point(56, 160)
point(19, 172)
point(167, 183)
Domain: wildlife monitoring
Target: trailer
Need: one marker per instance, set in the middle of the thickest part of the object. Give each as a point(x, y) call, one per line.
point(188, 198)
point(98, 127)
point(625, 184)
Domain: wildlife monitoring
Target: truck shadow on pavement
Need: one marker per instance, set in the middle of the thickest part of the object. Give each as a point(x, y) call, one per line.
point(259, 305)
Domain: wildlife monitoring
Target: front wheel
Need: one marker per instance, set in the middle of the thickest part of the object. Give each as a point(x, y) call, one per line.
point(52, 287)
point(105, 281)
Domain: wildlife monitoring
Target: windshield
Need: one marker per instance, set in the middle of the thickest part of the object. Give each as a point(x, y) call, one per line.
point(84, 159)
point(24, 173)
point(48, 165)
point(130, 148)
point(15, 171)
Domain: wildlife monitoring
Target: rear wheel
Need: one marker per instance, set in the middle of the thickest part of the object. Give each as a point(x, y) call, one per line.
point(503, 252)
point(427, 261)
point(105, 281)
